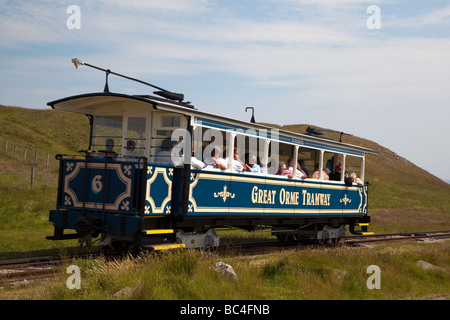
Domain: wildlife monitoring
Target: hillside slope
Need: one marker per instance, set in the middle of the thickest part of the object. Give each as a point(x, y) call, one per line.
point(401, 194)
point(51, 131)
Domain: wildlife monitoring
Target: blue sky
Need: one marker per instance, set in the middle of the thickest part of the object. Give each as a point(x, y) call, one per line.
point(295, 61)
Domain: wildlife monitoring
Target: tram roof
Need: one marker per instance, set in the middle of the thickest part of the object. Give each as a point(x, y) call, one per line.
point(91, 103)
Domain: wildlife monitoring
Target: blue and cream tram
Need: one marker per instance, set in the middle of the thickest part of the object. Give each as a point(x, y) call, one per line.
point(136, 184)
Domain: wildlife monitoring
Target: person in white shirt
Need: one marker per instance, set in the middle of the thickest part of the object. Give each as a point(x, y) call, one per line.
point(252, 165)
point(216, 161)
point(300, 173)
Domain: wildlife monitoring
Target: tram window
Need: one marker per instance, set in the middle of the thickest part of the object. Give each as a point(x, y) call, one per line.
point(170, 121)
point(353, 165)
point(212, 138)
point(107, 128)
point(162, 144)
point(135, 137)
point(332, 165)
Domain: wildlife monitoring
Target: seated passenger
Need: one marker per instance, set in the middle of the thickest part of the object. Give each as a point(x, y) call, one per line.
point(252, 165)
point(109, 152)
point(196, 164)
point(282, 171)
point(131, 147)
point(316, 173)
point(237, 164)
point(356, 180)
point(303, 167)
point(164, 153)
point(336, 175)
point(348, 182)
point(215, 161)
point(300, 174)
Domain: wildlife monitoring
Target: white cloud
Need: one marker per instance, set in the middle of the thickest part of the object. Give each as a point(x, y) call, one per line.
point(166, 5)
point(437, 17)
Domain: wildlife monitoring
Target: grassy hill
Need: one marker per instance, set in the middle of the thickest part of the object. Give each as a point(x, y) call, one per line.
point(46, 130)
point(403, 197)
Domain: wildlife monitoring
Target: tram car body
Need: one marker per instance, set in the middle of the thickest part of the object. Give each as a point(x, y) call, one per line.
point(146, 200)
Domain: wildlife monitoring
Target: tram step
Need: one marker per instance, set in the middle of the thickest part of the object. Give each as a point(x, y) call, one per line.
point(164, 246)
point(157, 231)
point(362, 224)
point(363, 231)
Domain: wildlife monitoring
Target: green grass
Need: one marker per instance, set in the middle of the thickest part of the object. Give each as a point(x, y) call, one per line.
point(301, 274)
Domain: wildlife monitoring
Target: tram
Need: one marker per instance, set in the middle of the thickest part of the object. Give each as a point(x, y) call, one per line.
point(159, 173)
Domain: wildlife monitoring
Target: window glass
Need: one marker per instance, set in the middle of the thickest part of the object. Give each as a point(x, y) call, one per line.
point(162, 143)
point(107, 133)
point(136, 138)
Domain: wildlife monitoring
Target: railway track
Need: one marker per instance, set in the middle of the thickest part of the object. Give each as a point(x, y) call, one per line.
point(402, 236)
point(28, 269)
point(273, 246)
point(40, 268)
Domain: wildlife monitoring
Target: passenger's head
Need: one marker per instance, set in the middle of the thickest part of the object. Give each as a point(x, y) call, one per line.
point(291, 162)
point(109, 144)
point(252, 159)
point(131, 145)
point(216, 152)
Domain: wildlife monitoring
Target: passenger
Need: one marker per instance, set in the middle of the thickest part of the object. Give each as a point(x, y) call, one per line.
point(252, 165)
point(109, 152)
point(356, 180)
point(329, 165)
point(300, 174)
point(237, 164)
point(196, 163)
point(282, 171)
point(215, 161)
point(131, 147)
point(303, 167)
point(316, 173)
point(164, 153)
point(336, 175)
point(348, 182)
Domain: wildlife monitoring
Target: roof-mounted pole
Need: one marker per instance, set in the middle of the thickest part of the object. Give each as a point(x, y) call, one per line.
point(163, 92)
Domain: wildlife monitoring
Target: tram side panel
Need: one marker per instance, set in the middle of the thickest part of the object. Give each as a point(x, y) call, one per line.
point(158, 199)
point(217, 197)
point(98, 196)
point(211, 193)
point(219, 193)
